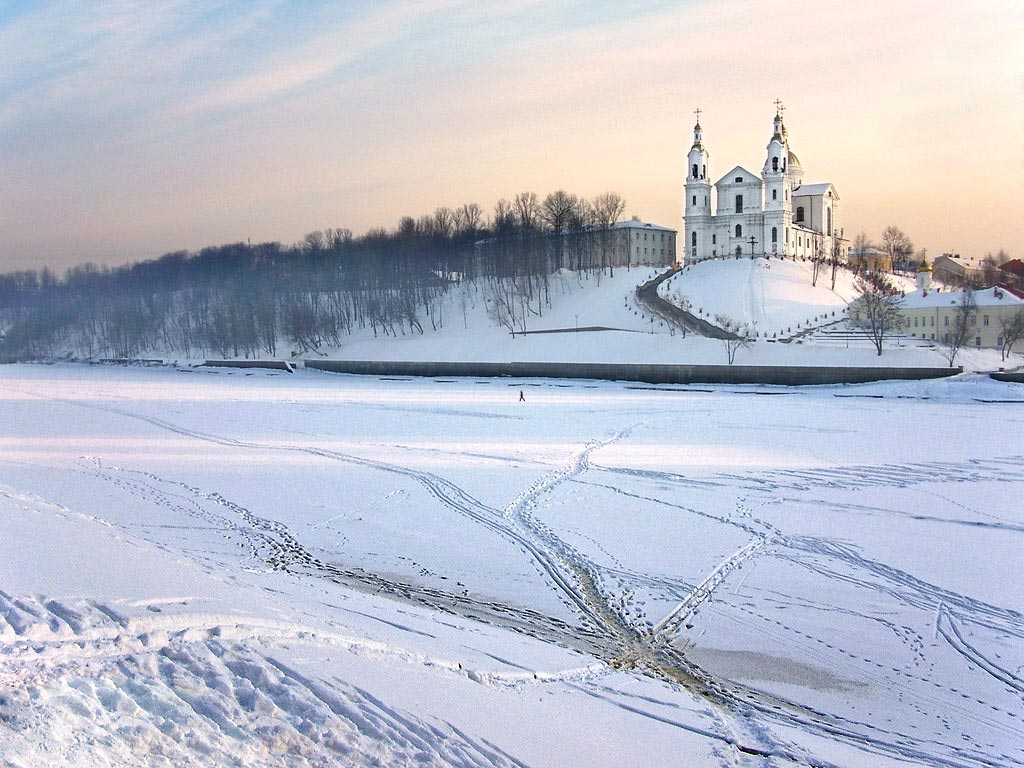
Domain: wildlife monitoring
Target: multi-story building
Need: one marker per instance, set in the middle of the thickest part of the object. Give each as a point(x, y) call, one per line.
point(638, 242)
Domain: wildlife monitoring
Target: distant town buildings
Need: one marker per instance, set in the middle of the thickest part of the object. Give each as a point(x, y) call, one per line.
point(637, 242)
point(953, 269)
point(775, 213)
point(869, 258)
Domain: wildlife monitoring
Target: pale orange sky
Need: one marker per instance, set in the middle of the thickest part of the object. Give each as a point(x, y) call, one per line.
point(127, 132)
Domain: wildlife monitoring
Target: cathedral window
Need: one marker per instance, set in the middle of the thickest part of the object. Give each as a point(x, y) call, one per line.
point(775, 163)
point(775, 194)
point(800, 213)
point(705, 171)
point(775, 234)
point(739, 230)
point(714, 239)
point(694, 199)
point(693, 239)
point(694, 171)
point(739, 203)
point(739, 179)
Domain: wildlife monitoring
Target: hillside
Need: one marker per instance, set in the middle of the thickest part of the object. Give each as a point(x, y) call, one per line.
point(774, 297)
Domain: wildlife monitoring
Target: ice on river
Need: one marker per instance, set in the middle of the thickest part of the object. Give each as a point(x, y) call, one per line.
point(252, 568)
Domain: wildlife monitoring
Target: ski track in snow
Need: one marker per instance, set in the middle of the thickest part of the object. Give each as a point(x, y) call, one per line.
point(606, 632)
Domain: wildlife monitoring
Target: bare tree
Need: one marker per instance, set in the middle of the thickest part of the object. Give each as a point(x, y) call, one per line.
point(989, 271)
point(877, 310)
point(896, 245)
point(739, 335)
point(1013, 331)
point(964, 317)
point(557, 210)
point(527, 211)
point(608, 209)
point(836, 255)
point(817, 261)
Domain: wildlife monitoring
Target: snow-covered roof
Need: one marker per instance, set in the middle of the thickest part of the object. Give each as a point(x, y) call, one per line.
point(806, 190)
point(633, 224)
point(987, 297)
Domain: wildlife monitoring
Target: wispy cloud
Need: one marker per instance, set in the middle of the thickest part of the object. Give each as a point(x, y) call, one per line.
point(147, 126)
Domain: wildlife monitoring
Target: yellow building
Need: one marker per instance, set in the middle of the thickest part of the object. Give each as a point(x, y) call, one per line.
point(932, 314)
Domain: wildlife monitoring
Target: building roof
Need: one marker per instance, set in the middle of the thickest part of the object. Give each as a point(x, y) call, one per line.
point(634, 224)
point(987, 297)
point(1013, 267)
point(815, 189)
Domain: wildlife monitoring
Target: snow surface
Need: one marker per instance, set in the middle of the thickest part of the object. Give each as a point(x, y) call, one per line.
point(774, 296)
point(261, 568)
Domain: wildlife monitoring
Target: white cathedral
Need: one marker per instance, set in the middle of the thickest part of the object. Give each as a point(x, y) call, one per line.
point(771, 214)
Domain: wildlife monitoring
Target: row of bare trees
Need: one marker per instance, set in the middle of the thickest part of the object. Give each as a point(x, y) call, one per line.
point(242, 300)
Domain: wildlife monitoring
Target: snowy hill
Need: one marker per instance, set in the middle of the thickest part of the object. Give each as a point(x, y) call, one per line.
point(769, 296)
point(774, 296)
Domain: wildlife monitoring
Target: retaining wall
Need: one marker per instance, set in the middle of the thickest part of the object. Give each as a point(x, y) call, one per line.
point(276, 365)
point(652, 374)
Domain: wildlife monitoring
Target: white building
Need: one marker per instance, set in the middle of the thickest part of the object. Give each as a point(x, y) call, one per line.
point(771, 214)
point(639, 242)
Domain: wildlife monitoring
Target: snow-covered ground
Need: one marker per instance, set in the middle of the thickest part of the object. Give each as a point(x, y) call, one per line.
point(771, 296)
point(776, 295)
point(253, 568)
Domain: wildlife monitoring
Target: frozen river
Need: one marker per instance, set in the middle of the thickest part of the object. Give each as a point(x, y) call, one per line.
point(230, 567)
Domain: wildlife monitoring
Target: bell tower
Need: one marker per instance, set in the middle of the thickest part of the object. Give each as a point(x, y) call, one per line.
point(697, 208)
point(777, 187)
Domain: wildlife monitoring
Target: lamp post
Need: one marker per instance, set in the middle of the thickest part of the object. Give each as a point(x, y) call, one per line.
point(577, 323)
point(752, 241)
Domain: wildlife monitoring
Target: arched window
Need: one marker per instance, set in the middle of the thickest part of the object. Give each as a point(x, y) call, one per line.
point(695, 171)
point(739, 251)
point(739, 203)
point(739, 230)
point(693, 239)
point(714, 239)
point(775, 163)
point(775, 234)
point(694, 199)
point(775, 194)
point(704, 173)
point(739, 178)
point(800, 213)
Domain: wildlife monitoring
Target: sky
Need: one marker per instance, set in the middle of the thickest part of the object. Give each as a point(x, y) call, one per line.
point(131, 129)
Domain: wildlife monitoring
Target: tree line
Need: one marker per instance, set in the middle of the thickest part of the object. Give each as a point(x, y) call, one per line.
point(245, 300)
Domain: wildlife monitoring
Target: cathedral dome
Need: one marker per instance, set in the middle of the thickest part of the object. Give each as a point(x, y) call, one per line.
point(793, 159)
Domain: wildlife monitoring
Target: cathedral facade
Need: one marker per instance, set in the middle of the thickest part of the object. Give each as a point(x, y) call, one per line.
point(774, 214)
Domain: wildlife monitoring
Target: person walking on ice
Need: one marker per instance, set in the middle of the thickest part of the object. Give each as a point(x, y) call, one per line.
point(522, 397)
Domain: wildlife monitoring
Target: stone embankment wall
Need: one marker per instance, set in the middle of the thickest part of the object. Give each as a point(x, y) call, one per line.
point(651, 374)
